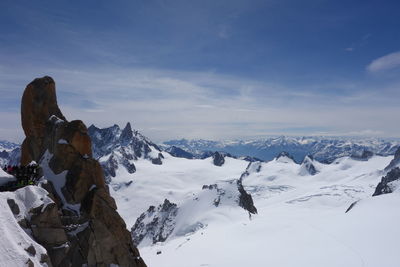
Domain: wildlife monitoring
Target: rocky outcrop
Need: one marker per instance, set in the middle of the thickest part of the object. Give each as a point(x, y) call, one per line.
point(168, 220)
point(389, 183)
point(395, 161)
point(156, 224)
point(82, 227)
point(245, 199)
point(218, 159)
point(307, 166)
point(363, 156)
point(179, 152)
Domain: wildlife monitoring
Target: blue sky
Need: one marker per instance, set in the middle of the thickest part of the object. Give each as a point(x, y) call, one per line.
point(208, 69)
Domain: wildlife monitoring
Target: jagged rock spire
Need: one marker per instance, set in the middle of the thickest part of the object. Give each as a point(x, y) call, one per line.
point(83, 227)
point(127, 133)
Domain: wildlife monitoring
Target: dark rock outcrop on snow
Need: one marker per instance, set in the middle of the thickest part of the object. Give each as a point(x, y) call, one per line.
point(156, 224)
point(82, 227)
point(364, 156)
point(395, 161)
point(251, 159)
point(352, 205)
point(307, 166)
point(179, 152)
point(245, 199)
point(389, 183)
point(218, 159)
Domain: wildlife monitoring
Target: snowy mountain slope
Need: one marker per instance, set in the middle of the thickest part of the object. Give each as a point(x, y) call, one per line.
point(170, 220)
point(299, 214)
point(321, 148)
point(177, 180)
point(291, 237)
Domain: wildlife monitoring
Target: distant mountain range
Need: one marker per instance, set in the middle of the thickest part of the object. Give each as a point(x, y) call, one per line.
point(324, 149)
point(9, 153)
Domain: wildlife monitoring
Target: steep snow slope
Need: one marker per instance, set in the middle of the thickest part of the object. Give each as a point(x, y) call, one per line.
point(301, 217)
point(17, 247)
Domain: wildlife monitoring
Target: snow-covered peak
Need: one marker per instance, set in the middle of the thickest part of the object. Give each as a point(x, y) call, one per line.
point(284, 157)
point(307, 167)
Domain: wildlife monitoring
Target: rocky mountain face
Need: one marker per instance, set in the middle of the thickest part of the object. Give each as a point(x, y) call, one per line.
point(10, 153)
point(114, 147)
point(156, 224)
point(323, 149)
point(170, 220)
point(308, 166)
point(391, 181)
point(395, 162)
point(179, 152)
point(82, 227)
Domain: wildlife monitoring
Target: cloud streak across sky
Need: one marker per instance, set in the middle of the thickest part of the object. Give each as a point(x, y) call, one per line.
point(388, 62)
point(178, 69)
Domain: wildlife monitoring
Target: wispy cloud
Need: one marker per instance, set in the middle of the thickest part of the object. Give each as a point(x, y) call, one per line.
point(167, 104)
point(387, 62)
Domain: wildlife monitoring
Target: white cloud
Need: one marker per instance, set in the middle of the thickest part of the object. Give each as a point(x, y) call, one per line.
point(387, 62)
point(175, 104)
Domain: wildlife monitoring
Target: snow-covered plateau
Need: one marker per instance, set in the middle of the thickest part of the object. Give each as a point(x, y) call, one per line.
point(187, 212)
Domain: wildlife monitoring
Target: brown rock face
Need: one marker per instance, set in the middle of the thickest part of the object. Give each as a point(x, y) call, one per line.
point(83, 226)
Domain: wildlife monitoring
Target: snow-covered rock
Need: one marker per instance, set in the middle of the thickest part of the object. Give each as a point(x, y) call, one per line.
point(389, 183)
point(17, 223)
point(197, 211)
point(156, 224)
point(308, 167)
point(284, 157)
